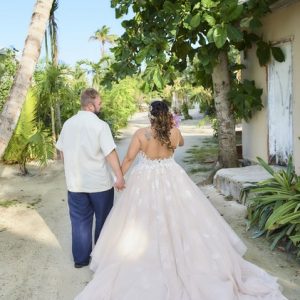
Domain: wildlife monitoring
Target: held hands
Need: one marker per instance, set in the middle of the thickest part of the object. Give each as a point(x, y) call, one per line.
point(119, 183)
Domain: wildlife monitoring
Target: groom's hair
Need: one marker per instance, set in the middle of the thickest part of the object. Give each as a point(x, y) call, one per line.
point(88, 96)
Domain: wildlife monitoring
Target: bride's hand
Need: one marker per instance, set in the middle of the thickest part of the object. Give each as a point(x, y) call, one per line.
point(119, 183)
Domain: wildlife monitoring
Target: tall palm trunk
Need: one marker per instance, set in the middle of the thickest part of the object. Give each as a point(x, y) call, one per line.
point(46, 47)
point(54, 55)
point(31, 52)
point(53, 131)
point(226, 130)
point(58, 117)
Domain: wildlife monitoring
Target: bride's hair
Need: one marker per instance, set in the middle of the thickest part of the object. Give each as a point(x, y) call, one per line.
point(161, 122)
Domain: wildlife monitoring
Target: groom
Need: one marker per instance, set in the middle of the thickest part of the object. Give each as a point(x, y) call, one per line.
point(88, 149)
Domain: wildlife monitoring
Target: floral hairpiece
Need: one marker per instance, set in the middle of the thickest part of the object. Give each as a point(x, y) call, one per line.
point(149, 114)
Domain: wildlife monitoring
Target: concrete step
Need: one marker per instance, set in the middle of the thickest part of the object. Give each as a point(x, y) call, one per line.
point(230, 182)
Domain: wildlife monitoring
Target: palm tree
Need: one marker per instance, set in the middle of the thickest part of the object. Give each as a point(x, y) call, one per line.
point(52, 36)
point(51, 88)
point(97, 70)
point(102, 35)
point(52, 27)
point(31, 52)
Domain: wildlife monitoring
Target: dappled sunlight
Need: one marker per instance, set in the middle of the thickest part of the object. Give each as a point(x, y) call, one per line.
point(134, 242)
point(28, 225)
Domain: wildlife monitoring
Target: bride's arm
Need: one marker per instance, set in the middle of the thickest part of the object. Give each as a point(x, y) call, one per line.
point(132, 151)
point(181, 140)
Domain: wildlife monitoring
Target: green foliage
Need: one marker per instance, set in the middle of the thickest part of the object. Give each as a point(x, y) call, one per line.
point(119, 103)
point(38, 146)
point(215, 126)
point(55, 93)
point(219, 34)
point(274, 206)
point(24, 130)
point(277, 54)
point(8, 67)
point(75, 83)
point(245, 99)
point(152, 78)
point(263, 52)
point(167, 37)
point(205, 154)
point(205, 100)
point(102, 35)
point(8, 202)
point(97, 70)
point(185, 111)
point(28, 142)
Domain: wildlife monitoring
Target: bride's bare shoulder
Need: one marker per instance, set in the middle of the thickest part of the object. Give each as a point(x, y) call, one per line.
point(140, 131)
point(175, 131)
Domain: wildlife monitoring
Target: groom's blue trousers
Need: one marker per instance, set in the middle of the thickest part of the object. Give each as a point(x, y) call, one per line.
point(82, 207)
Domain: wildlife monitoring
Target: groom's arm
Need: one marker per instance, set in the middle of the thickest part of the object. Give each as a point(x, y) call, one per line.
point(113, 160)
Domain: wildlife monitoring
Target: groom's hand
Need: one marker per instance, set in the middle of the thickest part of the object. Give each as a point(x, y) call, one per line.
point(119, 183)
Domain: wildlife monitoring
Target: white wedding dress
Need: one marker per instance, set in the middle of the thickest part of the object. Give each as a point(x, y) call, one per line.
point(163, 240)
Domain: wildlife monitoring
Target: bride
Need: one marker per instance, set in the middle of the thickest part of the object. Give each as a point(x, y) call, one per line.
point(163, 240)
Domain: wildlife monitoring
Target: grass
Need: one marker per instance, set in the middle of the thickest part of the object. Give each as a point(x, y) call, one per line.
point(7, 203)
point(34, 203)
point(202, 157)
point(11, 202)
point(205, 154)
point(199, 169)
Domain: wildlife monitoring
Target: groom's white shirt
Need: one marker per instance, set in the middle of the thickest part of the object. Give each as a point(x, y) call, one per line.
point(85, 141)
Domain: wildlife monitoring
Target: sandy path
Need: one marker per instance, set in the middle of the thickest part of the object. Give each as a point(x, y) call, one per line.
point(35, 252)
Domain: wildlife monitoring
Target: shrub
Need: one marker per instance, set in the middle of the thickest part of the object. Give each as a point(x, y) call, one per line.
point(274, 206)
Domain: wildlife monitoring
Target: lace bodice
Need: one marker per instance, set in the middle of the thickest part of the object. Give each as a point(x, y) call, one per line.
point(145, 161)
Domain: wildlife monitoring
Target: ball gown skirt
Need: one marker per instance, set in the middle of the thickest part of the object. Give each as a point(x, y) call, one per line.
point(163, 240)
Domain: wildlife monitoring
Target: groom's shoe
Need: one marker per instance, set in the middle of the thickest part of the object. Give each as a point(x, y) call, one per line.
point(80, 265)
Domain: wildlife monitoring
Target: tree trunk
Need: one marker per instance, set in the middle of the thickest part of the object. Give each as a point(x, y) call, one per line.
point(175, 102)
point(31, 52)
point(53, 132)
point(46, 47)
point(226, 129)
point(58, 118)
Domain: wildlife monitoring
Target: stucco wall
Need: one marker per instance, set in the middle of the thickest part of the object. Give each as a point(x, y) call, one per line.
point(281, 25)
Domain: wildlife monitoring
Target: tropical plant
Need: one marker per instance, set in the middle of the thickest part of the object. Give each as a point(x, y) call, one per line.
point(51, 35)
point(96, 70)
point(102, 35)
point(120, 103)
point(30, 141)
point(37, 146)
point(274, 206)
point(204, 98)
point(8, 67)
point(50, 89)
point(12, 108)
point(76, 82)
point(185, 111)
point(245, 99)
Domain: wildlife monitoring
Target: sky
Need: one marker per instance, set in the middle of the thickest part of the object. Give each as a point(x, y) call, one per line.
point(77, 20)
